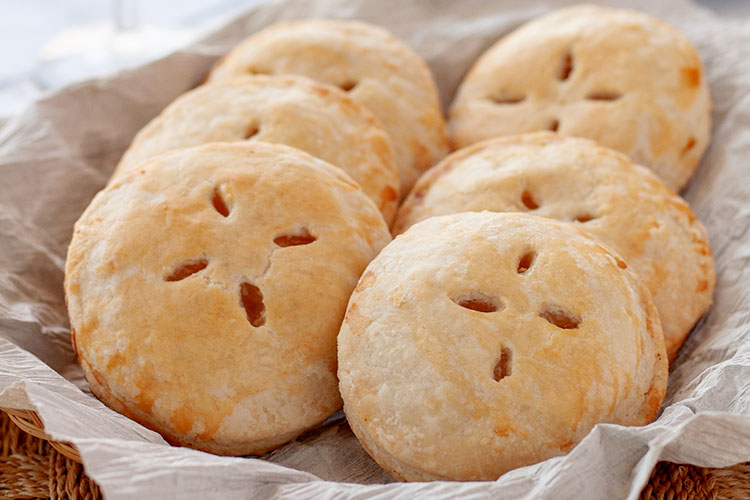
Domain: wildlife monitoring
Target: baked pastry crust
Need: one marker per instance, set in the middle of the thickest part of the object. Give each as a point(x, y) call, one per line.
point(378, 70)
point(575, 334)
point(159, 285)
point(631, 82)
point(319, 119)
point(622, 204)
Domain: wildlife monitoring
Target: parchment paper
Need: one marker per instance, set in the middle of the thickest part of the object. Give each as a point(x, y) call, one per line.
point(56, 155)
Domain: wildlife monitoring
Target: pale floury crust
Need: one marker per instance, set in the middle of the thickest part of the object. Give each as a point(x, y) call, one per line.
point(317, 118)
point(631, 82)
point(378, 70)
point(602, 191)
point(437, 390)
point(239, 356)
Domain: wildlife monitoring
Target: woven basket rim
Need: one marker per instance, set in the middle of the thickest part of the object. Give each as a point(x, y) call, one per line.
point(668, 480)
point(30, 422)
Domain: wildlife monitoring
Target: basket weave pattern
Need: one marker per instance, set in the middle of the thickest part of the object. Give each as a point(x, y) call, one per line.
point(33, 466)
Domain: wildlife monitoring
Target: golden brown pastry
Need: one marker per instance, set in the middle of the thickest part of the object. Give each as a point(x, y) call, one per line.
point(316, 118)
point(575, 180)
point(476, 343)
point(377, 70)
point(629, 81)
point(205, 289)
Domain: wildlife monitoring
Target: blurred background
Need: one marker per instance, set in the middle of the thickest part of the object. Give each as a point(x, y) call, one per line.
point(46, 44)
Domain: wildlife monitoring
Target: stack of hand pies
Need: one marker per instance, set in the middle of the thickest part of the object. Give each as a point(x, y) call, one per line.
point(236, 280)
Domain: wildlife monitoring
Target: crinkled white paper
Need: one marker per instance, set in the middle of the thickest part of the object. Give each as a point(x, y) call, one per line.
point(56, 155)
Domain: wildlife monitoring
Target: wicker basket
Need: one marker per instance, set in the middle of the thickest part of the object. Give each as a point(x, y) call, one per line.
point(34, 466)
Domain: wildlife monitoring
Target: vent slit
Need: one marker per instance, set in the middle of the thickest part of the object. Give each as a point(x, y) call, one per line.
point(559, 317)
point(566, 67)
point(186, 269)
point(503, 365)
point(477, 301)
point(217, 200)
point(603, 96)
point(528, 200)
point(252, 300)
point(526, 261)
point(301, 237)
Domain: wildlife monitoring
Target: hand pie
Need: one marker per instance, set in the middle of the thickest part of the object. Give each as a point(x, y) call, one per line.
point(316, 118)
point(476, 343)
point(631, 82)
point(206, 287)
point(574, 180)
point(378, 70)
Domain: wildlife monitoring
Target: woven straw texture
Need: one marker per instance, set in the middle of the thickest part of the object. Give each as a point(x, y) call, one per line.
point(31, 467)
